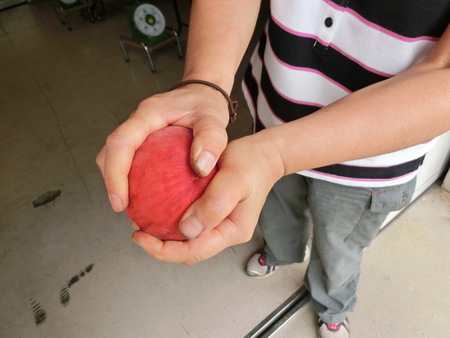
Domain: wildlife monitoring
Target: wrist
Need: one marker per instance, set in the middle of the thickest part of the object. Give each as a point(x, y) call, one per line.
point(273, 157)
point(232, 105)
point(220, 80)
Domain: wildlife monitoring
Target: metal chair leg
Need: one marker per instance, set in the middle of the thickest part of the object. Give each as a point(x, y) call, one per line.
point(126, 57)
point(180, 52)
point(152, 65)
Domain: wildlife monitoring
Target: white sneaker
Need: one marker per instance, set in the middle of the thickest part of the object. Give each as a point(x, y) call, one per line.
point(340, 330)
point(257, 267)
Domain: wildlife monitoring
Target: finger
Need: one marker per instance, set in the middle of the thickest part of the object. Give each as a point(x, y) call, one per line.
point(117, 202)
point(188, 252)
point(168, 251)
point(100, 159)
point(224, 192)
point(117, 157)
point(210, 140)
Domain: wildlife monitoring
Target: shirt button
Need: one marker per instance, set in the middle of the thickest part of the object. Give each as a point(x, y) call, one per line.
point(328, 22)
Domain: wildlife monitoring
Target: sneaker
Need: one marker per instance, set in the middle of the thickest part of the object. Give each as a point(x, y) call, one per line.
point(257, 267)
point(341, 330)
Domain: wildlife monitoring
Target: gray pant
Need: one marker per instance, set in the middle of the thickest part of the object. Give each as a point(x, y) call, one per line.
point(345, 221)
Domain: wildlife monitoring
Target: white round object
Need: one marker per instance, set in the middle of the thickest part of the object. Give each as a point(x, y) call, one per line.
point(149, 20)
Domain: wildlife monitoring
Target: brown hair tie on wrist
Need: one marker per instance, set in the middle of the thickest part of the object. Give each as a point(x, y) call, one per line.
point(232, 105)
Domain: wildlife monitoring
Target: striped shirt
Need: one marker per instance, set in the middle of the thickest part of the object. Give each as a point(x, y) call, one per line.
point(314, 52)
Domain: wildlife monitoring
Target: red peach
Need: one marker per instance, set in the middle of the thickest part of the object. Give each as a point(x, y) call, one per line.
point(162, 183)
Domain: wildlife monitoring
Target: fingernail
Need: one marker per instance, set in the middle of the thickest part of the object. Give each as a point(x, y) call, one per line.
point(205, 162)
point(191, 228)
point(116, 203)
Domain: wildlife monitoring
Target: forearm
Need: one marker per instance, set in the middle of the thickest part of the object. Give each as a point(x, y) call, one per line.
point(219, 33)
point(403, 111)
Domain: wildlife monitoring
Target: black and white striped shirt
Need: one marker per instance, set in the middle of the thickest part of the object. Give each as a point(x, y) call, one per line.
point(314, 52)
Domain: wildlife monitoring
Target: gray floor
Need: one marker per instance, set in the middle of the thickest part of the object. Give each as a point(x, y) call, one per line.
point(69, 268)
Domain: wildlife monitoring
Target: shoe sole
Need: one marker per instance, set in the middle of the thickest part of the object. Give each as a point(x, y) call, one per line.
point(254, 275)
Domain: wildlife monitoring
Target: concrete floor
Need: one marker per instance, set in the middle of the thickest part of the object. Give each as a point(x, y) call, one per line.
point(69, 267)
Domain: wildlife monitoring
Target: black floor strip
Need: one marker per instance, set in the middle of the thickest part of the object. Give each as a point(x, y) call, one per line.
point(280, 315)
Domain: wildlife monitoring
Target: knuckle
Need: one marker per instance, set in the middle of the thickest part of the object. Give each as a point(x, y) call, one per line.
point(242, 235)
point(99, 160)
point(155, 253)
point(115, 140)
point(190, 262)
point(211, 129)
point(213, 208)
point(152, 101)
point(245, 237)
point(144, 102)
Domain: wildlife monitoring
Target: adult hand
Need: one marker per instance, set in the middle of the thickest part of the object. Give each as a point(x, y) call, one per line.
point(228, 211)
point(199, 107)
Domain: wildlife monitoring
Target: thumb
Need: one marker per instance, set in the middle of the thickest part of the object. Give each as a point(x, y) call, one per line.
point(219, 200)
point(210, 140)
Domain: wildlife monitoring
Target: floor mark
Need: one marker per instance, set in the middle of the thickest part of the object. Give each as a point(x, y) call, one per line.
point(64, 294)
point(46, 197)
point(40, 315)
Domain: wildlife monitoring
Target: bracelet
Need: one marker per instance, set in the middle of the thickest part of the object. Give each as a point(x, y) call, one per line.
point(232, 105)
